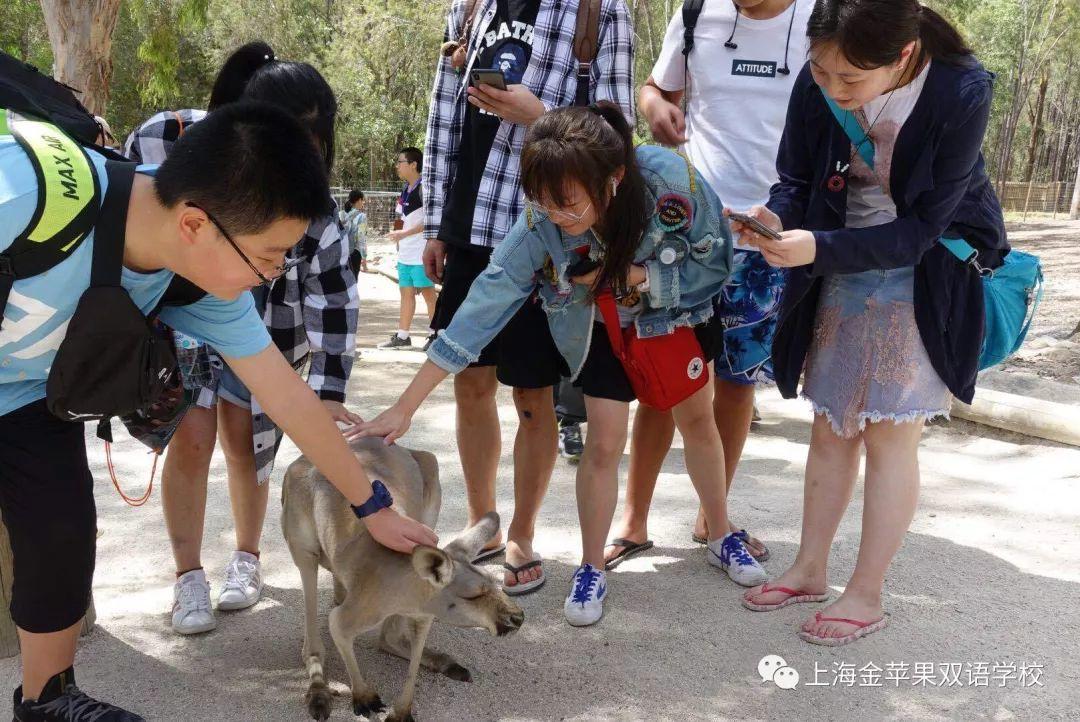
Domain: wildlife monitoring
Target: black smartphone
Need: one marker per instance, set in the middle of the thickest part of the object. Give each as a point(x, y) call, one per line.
point(755, 225)
point(488, 76)
point(581, 267)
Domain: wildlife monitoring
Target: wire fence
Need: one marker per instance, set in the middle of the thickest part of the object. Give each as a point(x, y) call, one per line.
point(1050, 198)
point(379, 204)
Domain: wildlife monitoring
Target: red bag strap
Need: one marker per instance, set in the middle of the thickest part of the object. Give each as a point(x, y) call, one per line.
point(606, 303)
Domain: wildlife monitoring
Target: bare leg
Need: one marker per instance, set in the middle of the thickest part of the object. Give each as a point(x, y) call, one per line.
point(536, 447)
point(44, 655)
point(183, 485)
point(248, 497)
point(890, 498)
point(408, 308)
point(832, 465)
point(429, 300)
point(733, 410)
point(704, 456)
point(479, 440)
point(598, 474)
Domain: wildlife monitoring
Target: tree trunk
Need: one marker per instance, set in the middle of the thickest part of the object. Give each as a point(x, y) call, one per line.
point(80, 33)
point(1036, 128)
point(1074, 207)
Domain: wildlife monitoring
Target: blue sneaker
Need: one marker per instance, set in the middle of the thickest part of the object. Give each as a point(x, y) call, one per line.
point(585, 603)
point(730, 554)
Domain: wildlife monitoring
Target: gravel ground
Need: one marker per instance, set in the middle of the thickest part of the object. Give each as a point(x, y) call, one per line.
point(988, 576)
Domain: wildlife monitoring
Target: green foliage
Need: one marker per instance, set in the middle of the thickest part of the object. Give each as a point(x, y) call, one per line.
point(380, 56)
point(22, 32)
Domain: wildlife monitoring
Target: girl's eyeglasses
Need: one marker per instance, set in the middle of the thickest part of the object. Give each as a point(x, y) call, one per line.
point(555, 214)
point(281, 270)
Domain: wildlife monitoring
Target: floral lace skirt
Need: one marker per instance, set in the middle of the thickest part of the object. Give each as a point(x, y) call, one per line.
point(866, 362)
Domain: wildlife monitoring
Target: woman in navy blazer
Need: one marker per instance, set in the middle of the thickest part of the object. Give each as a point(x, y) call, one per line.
point(886, 324)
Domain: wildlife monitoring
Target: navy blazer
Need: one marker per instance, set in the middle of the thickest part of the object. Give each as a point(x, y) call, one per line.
point(940, 187)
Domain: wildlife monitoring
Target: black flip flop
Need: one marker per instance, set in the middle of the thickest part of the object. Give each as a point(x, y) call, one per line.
point(489, 554)
point(518, 589)
point(630, 548)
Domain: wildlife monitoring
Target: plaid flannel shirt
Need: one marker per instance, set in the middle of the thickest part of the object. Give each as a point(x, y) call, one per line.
point(551, 76)
point(311, 313)
point(152, 141)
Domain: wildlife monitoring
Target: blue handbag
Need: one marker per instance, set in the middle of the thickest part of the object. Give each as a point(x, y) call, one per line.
point(1011, 292)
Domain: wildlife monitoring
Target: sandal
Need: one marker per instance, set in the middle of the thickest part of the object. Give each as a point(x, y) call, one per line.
point(518, 589)
point(488, 554)
point(862, 630)
point(793, 597)
point(630, 548)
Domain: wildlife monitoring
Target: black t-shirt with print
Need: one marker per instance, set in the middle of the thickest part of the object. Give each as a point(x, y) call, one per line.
point(507, 45)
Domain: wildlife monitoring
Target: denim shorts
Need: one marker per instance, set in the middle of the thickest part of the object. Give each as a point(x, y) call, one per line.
point(867, 362)
point(230, 388)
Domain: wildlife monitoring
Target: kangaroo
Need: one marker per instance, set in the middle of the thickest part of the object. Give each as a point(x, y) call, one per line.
point(376, 586)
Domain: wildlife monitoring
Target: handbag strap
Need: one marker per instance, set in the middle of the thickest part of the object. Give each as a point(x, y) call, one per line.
point(956, 246)
point(606, 303)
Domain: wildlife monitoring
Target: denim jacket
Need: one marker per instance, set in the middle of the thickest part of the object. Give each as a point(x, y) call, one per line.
point(686, 250)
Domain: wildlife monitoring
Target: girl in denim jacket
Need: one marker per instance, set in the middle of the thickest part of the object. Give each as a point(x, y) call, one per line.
point(655, 234)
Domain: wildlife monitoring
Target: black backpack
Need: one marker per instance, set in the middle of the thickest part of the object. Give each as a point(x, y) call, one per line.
point(54, 129)
point(113, 361)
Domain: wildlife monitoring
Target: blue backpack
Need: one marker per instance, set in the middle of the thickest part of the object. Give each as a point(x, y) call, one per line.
point(1011, 292)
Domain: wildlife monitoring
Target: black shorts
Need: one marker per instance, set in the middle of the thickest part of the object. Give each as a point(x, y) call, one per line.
point(603, 375)
point(47, 500)
point(523, 353)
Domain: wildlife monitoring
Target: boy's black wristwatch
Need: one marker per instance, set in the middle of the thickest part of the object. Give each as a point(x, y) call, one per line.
point(380, 499)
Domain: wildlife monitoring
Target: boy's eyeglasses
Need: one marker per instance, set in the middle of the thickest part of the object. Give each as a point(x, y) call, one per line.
point(264, 280)
point(555, 214)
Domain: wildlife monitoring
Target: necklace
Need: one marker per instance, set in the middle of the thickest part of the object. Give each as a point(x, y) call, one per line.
point(836, 181)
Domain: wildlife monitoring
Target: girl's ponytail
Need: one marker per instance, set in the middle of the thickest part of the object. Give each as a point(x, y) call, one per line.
point(939, 38)
point(237, 71)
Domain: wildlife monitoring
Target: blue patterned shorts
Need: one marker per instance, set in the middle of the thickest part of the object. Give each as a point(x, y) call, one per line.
point(747, 310)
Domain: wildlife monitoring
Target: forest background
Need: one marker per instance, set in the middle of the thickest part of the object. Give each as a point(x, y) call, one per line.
point(132, 58)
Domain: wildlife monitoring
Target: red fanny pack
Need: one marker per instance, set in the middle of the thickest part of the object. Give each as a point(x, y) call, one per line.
point(664, 370)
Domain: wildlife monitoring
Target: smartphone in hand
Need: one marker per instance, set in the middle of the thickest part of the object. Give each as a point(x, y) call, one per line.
point(488, 76)
point(755, 225)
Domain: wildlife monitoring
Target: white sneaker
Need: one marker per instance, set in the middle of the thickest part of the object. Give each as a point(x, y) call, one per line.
point(585, 603)
point(191, 604)
point(730, 554)
point(243, 582)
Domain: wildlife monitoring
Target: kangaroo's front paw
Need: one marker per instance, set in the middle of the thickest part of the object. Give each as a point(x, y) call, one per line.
point(319, 701)
point(395, 716)
point(367, 704)
point(456, 671)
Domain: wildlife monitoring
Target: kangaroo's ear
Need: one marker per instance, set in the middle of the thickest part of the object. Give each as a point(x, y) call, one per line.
point(433, 565)
point(470, 542)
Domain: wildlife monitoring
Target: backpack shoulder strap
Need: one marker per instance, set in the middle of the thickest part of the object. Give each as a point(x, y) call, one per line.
point(691, 11)
point(68, 200)
point(111, 226)
point(586, 45)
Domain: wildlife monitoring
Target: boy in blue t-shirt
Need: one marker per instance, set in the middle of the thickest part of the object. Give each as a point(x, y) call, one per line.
point(222, 211)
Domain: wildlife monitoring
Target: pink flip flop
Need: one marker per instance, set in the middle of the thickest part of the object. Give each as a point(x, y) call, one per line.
point(863, 629)
point(794, 597)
